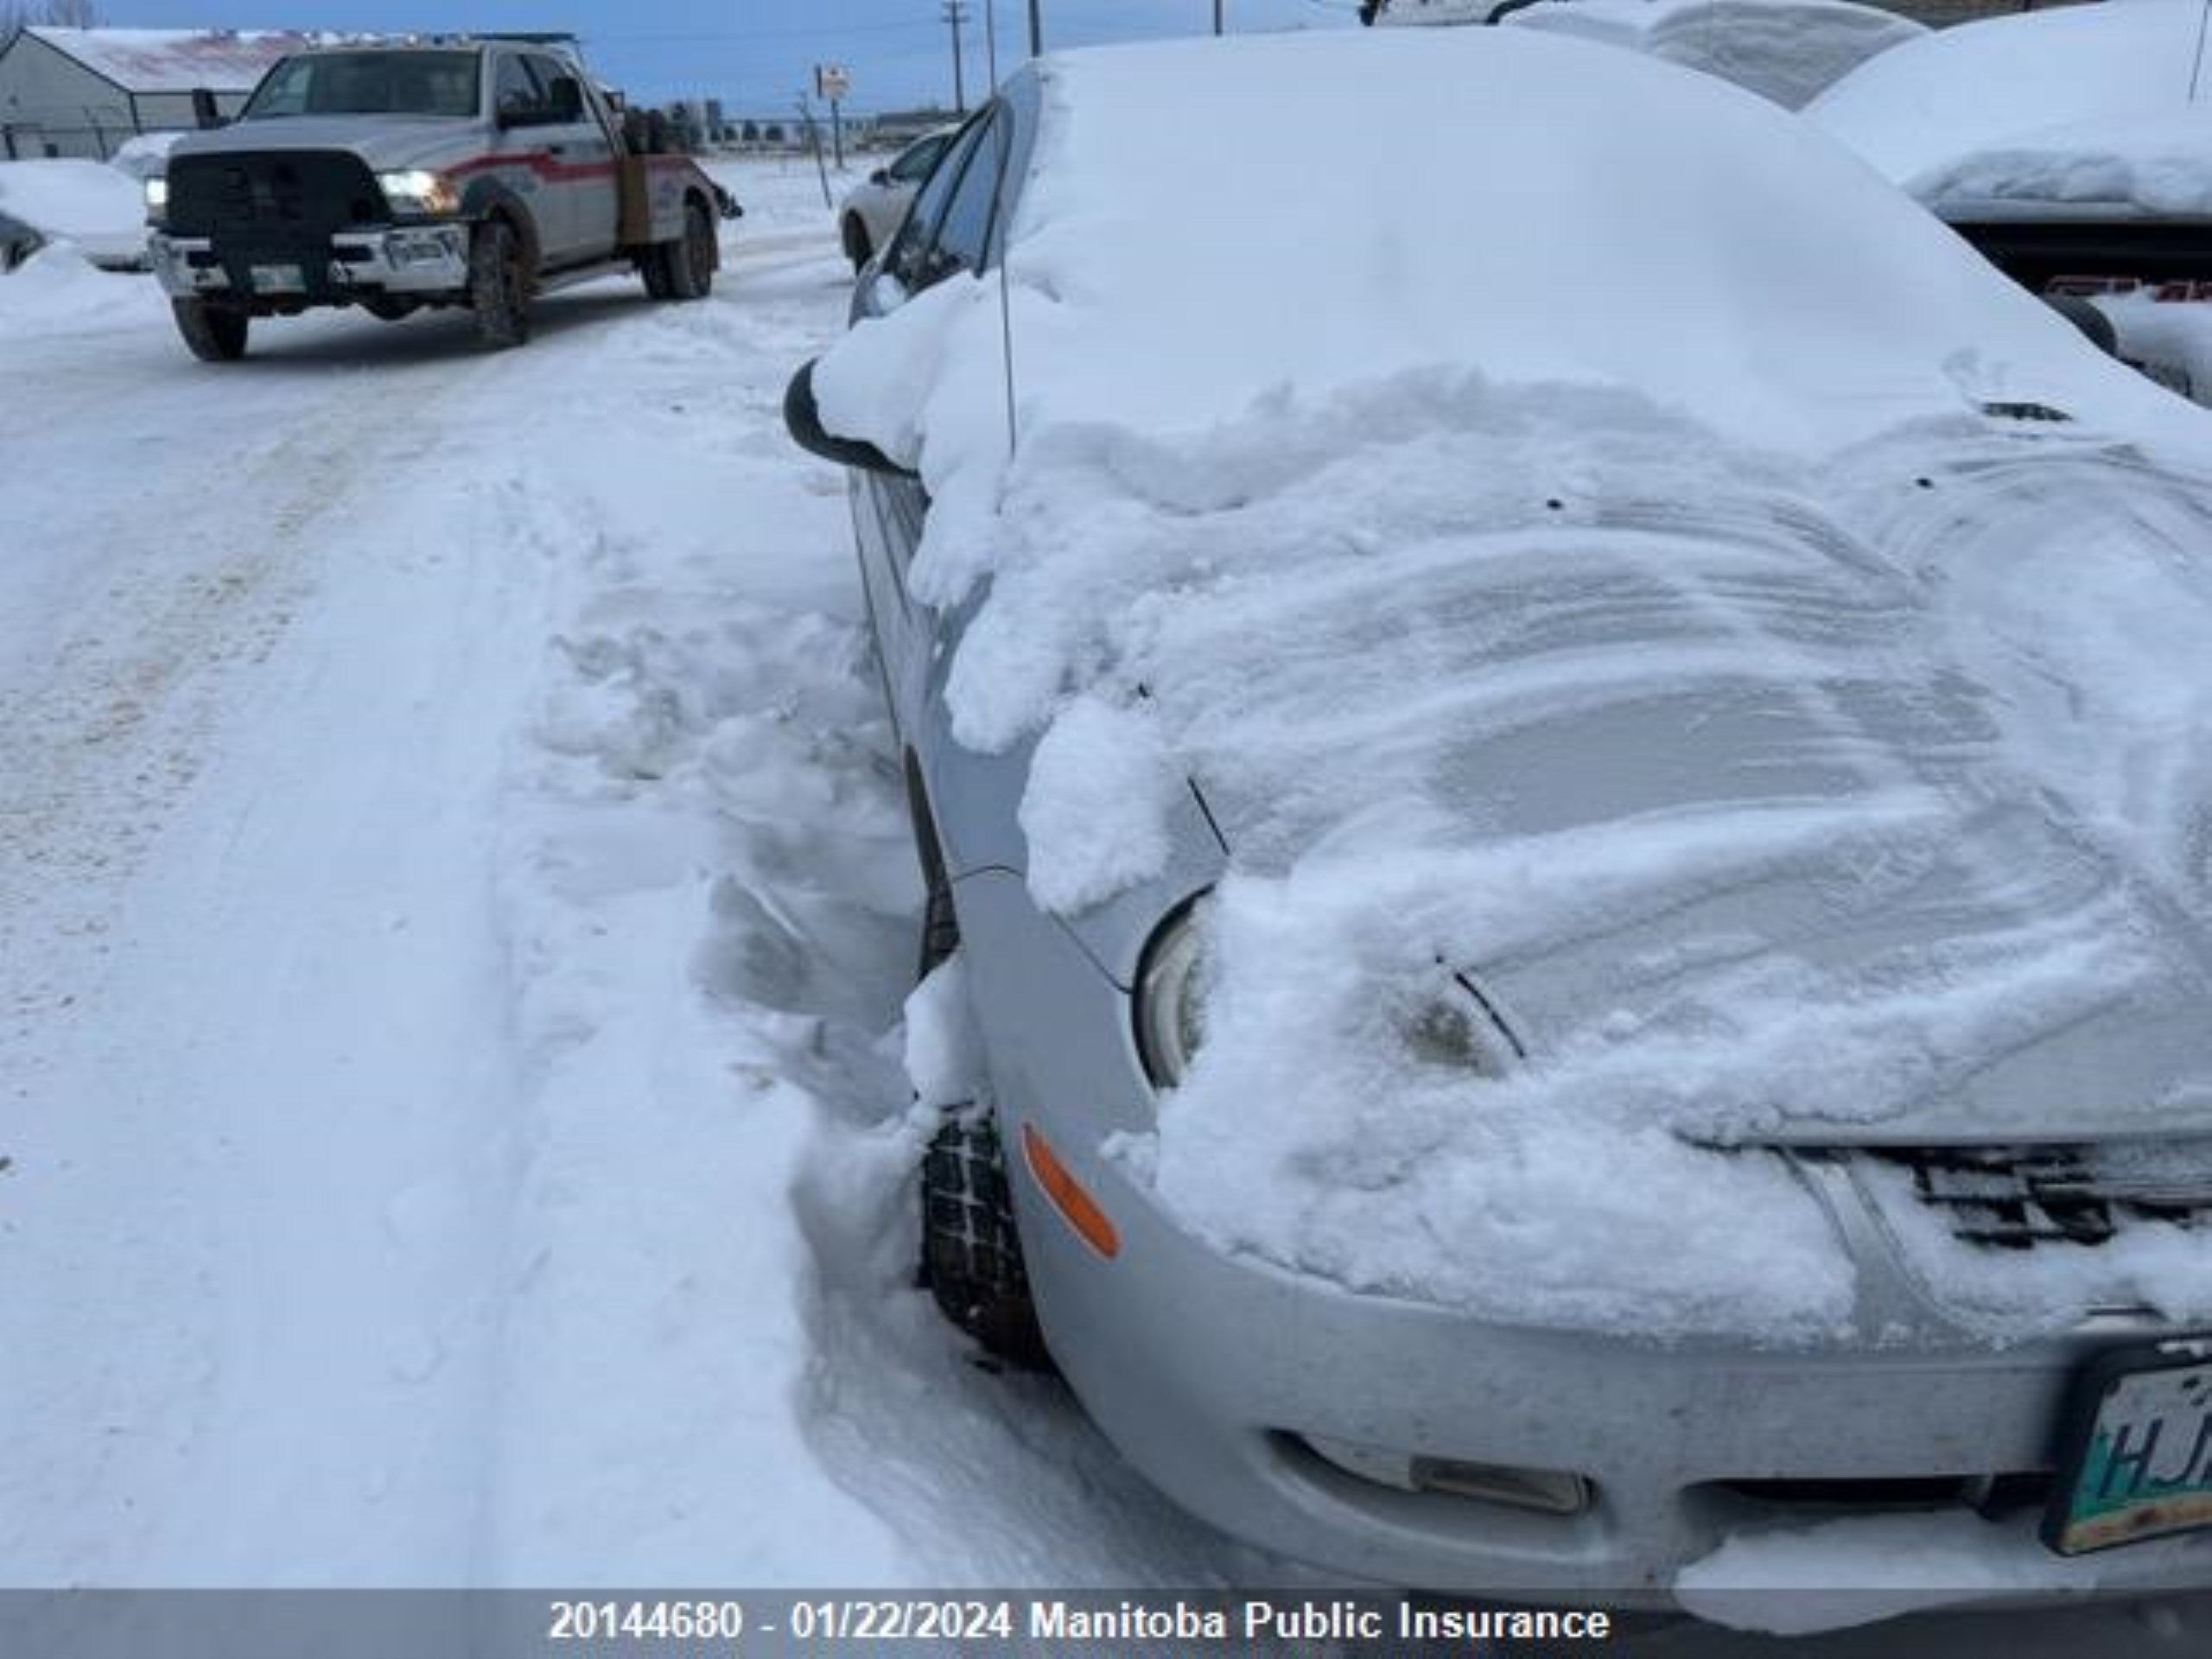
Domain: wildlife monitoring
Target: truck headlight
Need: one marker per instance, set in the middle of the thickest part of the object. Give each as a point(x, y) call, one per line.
point(417, 192)
point(1170, 1001)
point(157, 200)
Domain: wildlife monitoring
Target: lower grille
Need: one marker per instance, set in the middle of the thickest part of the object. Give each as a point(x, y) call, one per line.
point(2017, 1197)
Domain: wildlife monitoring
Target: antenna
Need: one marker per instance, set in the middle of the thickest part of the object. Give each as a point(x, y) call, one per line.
point(1006, 297)
point(2196, 69)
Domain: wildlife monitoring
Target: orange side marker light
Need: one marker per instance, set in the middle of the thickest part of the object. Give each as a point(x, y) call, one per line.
point(1076, 1207)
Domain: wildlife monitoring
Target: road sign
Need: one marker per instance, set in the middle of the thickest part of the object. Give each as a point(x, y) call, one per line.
point(831, 82)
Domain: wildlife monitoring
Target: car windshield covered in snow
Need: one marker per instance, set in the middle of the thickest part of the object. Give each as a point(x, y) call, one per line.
point(369, 83)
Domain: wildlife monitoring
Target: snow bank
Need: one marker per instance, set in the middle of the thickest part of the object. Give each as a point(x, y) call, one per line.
point(146, 155)
point(88, 203)
point(57, 290)
point(1321, 508)
point(1797, 1580)
point(2078, 104)
point(1786, 51)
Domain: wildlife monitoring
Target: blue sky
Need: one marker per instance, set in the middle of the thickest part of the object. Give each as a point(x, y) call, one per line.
point(757, 54)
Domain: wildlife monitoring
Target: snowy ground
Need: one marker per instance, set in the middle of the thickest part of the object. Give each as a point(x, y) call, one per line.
point(455, 912)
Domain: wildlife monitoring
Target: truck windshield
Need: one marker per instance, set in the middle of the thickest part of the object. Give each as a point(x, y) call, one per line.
point(368, 83)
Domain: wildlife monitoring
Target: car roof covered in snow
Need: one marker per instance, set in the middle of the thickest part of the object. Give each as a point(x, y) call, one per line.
point(1192, 237)
point(2083, 106)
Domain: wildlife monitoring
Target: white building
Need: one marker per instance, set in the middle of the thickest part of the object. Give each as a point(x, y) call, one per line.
point(82, 92)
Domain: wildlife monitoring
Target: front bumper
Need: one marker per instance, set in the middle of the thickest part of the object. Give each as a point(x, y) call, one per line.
point(1216, 1375)
point(419, 260)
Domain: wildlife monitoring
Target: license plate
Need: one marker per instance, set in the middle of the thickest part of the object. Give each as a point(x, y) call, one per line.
point(2137, 1460)
point(278, 279)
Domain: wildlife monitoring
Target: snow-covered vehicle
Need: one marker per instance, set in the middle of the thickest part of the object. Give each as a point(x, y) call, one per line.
point(88, 205)
point(1786, 51)
point(1572, 823)
point(468, 173)
point(869, 216)
point(2073, 147)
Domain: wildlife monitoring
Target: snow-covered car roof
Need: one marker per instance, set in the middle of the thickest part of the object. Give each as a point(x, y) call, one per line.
point(101, 210)
point(2080, 109)
point(1786, 51)
point(1624, 549)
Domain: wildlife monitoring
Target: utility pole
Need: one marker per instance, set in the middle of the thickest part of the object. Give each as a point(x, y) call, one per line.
point(955, 13)
point(1036, 31)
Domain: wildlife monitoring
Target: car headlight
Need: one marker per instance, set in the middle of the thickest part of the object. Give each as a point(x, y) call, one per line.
point(1170, 1001)
point(157, 200)
point(417, 191)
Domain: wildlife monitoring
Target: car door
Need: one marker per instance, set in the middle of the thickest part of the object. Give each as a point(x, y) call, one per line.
point(947, 231)
point(521, 105)
point(582, 160)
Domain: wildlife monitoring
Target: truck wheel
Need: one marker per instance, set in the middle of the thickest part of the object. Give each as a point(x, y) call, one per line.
point(497, 294)
point(652, 265)
point(391, 308)
point(216, 333)
point(690, 258)
point(971, 1255)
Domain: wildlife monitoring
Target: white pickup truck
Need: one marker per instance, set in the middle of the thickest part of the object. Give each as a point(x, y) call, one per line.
point(474, 173)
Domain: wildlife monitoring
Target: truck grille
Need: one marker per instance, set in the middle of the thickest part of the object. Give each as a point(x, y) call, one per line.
point(2017, 1197)
point(272, 201)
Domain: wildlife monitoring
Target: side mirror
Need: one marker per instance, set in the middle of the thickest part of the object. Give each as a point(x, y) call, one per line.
point(881, 175)
point(207, 114)
point(803, 421)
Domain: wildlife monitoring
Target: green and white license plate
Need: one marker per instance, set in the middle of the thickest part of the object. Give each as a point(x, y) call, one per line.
point(2137, 1462)
point(278, 279)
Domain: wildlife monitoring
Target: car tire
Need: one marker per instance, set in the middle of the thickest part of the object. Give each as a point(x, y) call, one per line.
point(216, 333)
point(858, 249)
point(498, 292)
point(971, 1252)
point(391, 308)
point(689, 260)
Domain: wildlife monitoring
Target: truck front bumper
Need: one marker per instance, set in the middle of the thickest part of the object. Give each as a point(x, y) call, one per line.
point(419, 260)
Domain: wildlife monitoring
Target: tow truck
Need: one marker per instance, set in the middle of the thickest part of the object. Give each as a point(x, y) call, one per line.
point(477, 172)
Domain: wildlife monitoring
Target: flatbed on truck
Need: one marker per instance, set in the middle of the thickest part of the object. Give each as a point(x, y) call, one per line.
point(476, 173)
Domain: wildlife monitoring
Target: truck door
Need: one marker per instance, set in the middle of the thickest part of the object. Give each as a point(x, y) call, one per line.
point(528, 140)
point(585, 172)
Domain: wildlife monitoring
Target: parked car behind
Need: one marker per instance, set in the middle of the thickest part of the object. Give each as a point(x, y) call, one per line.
point(2073, 147)
point(1566, 789)
point(88, 205)
point(869, 216)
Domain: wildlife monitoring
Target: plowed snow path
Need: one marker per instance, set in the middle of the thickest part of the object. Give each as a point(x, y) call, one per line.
point(455, 909)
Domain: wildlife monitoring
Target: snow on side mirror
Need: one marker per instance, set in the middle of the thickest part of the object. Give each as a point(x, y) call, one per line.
point(803, 421)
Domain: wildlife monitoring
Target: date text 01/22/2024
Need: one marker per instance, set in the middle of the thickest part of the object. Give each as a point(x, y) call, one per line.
point(799, 1620)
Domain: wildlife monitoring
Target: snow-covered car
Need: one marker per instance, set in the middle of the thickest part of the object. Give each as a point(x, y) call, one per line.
point(869, 216)
point(2072, 146)
point(1563, 797)
point(89, 205)
point(476, 174)
point(1786, 51)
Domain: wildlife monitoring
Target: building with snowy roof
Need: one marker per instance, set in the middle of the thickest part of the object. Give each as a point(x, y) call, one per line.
point(83, 92)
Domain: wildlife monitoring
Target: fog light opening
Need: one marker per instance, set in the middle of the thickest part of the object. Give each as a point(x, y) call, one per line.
point(1547, 1491)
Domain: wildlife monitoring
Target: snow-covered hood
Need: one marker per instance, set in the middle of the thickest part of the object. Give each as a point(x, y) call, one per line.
point(382, 141)
point(1789, 808)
